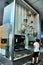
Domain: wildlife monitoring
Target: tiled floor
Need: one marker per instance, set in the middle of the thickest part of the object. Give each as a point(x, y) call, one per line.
point(5, 61)
point(40, 63)
point(28, 63)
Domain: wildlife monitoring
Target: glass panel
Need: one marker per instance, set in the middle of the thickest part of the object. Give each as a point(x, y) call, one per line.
point(25, 24)
point(17, 30)
point(6, 39)
point(21, 39)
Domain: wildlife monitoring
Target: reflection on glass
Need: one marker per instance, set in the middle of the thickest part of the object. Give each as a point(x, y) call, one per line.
point(20, 41)
point(23, 32)
point(6, 40)
point(21, 37)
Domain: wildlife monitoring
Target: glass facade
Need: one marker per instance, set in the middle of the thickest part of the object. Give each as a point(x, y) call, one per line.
point(19, 30)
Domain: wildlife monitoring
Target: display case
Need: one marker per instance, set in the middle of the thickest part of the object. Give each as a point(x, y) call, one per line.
point(21, 26)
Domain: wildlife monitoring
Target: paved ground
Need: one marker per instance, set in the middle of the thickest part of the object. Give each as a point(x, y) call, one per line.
point(5, 61)
point(27, 61)
point(40, 63)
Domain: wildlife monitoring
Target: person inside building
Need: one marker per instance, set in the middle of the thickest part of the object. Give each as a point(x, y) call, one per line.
point(35, 56)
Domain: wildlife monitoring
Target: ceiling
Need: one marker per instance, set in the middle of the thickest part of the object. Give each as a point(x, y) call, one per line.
point(38, 5)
